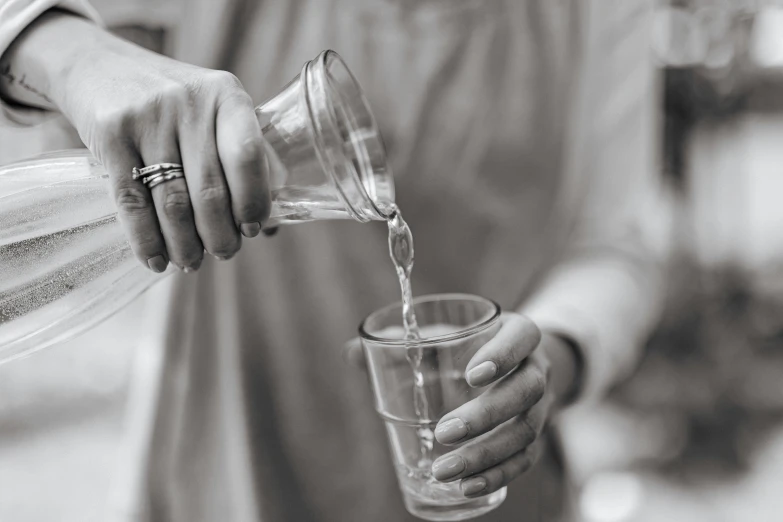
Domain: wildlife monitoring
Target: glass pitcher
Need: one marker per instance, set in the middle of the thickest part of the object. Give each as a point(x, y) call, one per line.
point(65, 264)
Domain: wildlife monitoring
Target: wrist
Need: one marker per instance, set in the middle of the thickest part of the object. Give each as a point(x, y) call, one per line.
point(40, 61)
point(565, 359)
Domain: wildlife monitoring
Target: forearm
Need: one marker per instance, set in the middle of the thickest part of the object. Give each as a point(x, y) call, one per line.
point(34, 71)
point(607, 305)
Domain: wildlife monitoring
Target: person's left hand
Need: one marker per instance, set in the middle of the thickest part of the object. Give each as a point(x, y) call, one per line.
point(501, 428)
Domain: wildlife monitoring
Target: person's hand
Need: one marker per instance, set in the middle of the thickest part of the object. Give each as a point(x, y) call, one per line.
point(500, 430)
point(134, 108)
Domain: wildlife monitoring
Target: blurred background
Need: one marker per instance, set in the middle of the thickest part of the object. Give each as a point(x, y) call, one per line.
point(696, 435)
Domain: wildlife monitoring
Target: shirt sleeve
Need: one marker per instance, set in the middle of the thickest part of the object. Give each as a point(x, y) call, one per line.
point(15, 15)
point(606, 292)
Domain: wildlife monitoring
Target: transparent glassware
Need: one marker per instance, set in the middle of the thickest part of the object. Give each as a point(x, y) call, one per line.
point(65, 264)
point(453, 327)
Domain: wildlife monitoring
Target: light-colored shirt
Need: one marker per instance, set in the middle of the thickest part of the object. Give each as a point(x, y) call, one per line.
point(522, 136)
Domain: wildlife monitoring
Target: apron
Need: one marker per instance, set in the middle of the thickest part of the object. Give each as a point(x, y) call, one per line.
point(243, 408)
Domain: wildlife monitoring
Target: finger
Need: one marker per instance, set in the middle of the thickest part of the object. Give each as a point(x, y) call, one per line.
point(501, 475)
point(353, 353)
point(135, 206)
point(511, 396)
point(492, 448)
point(516, 339)
point(241, 151)
point(174, 210)
point(209, 192)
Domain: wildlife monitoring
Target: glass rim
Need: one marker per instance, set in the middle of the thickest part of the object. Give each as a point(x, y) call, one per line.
point(454, 336)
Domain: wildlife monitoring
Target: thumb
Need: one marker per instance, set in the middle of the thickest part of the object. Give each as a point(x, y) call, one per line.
point(353, 354)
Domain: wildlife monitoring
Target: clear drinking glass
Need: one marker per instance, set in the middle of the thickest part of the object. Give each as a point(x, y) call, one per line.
point(453, 327)
point(65, 264)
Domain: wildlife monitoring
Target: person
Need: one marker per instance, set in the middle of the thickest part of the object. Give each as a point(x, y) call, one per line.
point(521, 135)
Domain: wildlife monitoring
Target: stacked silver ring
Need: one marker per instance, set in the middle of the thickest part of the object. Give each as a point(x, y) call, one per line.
point(154, 175)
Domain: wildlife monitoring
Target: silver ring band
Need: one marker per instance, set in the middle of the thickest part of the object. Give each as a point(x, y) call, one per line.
point(157, 179)
point(158, 168)
point(149, 177)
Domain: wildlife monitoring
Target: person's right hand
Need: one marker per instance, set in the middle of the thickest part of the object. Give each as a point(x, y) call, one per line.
point(134, 108)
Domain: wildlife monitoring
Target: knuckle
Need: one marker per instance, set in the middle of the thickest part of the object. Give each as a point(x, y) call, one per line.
point(502, 477)
point(530, 332)
point(531, 329)
point(506, 360)
point(214, 195)
point(481, 458)
point(492, 484)
point(537, 385)
point(494, 478)
point(132, 200)
point(122, 120)
point(176, 206)
point(194, 88)
point(530, 385)
point(527, 432)
point(145, 244)
point(225, 79)
point(247, 156)
point(489, 415)
point(114, 123)
point(248, 212)
point(232, 93)
point(173, 92)
point(525, 463)
point(521, 462)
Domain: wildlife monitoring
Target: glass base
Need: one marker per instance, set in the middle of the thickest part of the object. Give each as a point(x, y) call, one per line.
point(451, 511)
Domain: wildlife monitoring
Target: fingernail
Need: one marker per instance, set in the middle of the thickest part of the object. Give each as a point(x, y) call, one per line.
point(451, 431)
point(448, 467)
point(250, 229)
point(473, 486)
point(187, 269)
point(222, 258)
point(270, 231)
point(158, 264)
point(482, 374)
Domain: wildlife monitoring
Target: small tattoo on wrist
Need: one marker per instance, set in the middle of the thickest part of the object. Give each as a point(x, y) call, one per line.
point(7, 75)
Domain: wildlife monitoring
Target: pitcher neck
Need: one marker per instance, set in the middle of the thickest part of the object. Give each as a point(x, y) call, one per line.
point(346, 138)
